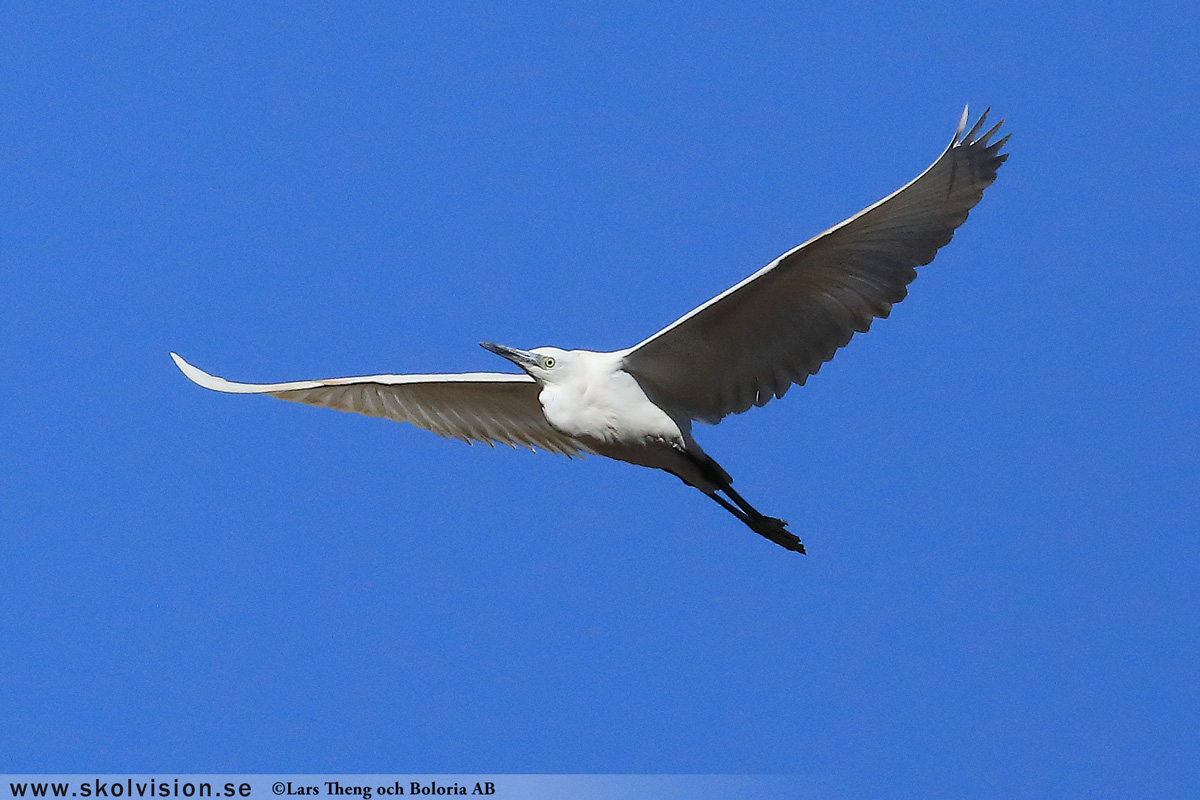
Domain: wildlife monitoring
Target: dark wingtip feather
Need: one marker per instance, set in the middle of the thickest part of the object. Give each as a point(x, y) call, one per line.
point(975, 128)
point(991, 131)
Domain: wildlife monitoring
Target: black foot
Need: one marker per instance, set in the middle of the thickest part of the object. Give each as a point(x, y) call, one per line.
point(776, 530)
point(768, 527)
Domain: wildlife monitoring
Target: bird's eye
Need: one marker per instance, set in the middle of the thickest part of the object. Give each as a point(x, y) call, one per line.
point(548, 362)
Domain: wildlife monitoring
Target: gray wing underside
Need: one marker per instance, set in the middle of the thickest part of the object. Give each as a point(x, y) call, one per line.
point(474, 407)
point(774, 329)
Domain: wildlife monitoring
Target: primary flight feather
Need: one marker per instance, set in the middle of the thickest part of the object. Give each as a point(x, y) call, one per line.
point(744, 347)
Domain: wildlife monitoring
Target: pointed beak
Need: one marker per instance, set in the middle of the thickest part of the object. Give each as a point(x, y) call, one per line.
point(518, 357)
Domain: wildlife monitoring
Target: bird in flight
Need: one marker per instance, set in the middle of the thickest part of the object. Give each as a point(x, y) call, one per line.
point(742, 348)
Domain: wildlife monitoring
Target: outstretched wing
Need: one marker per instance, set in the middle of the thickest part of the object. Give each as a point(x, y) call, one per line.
point(475, 407)
point(777, 327)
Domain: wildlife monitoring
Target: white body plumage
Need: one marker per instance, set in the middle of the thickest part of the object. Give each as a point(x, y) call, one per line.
point(591, 398)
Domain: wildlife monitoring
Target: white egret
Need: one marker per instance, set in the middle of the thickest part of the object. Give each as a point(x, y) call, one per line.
point(744, 347)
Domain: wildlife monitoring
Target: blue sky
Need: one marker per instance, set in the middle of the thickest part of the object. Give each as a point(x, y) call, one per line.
point(997, 485)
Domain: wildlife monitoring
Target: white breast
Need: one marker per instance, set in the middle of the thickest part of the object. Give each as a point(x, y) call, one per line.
point(603, 403)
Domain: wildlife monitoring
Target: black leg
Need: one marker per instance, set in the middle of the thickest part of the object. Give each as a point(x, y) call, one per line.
point(741, 501)
point(767, 527)
point(730, 507)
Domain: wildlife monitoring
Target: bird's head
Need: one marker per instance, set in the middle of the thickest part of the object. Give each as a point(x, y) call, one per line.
point(544, 364)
